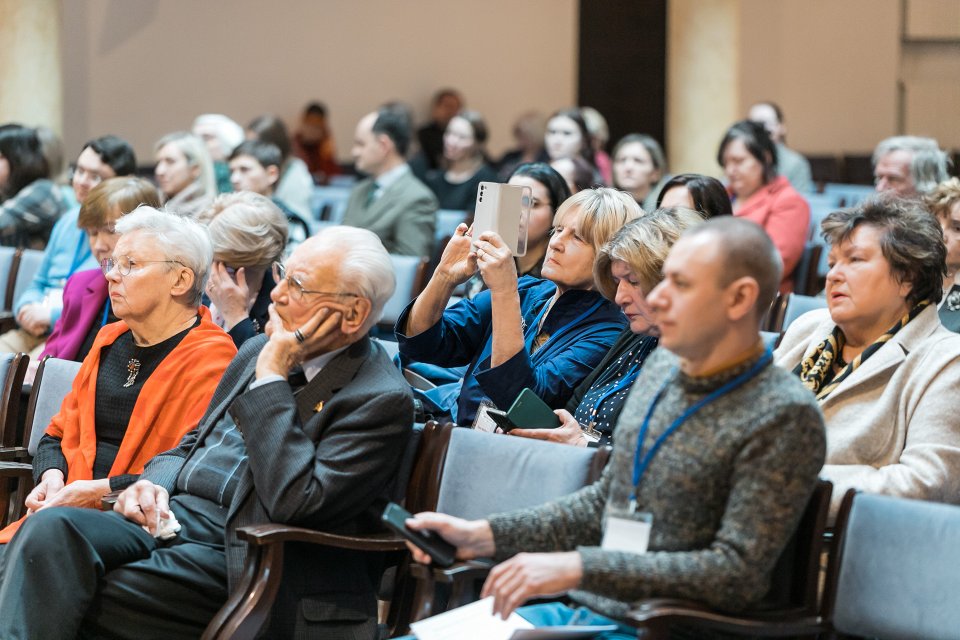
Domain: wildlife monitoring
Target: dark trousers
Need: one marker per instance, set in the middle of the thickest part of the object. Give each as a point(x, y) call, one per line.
point(72, 573)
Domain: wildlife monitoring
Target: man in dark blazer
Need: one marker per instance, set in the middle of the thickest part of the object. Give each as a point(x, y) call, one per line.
point(391, 202)
point(319, 452)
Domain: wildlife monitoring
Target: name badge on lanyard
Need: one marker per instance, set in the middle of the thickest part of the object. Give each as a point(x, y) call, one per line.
point(627, 534)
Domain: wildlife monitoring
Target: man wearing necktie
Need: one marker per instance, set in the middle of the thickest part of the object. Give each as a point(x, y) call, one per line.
point(391, 202)
point(321, 456)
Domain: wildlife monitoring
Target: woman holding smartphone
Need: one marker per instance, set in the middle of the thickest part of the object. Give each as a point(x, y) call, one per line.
point(543, 334)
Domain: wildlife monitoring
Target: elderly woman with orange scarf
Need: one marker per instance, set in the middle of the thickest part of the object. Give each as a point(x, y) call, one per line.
point(147, 379)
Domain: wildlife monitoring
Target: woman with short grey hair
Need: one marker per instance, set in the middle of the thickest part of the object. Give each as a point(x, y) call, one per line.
point(886, 372)
point(249, 233)
point(147, 379)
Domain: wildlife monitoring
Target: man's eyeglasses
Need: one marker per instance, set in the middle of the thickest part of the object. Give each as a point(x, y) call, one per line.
point(126, 264)
point(297, 290)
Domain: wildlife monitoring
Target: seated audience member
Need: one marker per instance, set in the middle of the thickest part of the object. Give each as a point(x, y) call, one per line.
point(221, 135)
point(86, 305)
point(599, 137)
point(295, 186)
point(626, 271)
point(147, 380)
point(465, 163)
point(885, 371)
point(528, 132)
point(698, 192)
point(724, 491)
point(578, 175)
point(249, 234)
point(567, 136)
point(325, 457)
point(548, 191)
point(30, 203)
point(313, 143)
point(749, 162)
point(39, 307)
point(790, 164)
point(445, 105)
point(391, 202)
point(944, 203)
point(545, 335)
point(255, 167)
point(640, 168)
point(909, 166)
point(184, 174)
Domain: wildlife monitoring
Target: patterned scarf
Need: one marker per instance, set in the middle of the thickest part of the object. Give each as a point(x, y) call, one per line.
point(816, 370)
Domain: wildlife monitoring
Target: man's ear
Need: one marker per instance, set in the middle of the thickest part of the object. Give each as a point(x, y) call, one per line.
point(355, 316)
point(741, 297)
point(273, 174)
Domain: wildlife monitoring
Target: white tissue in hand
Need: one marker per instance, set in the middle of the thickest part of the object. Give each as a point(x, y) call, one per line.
point(167, 529)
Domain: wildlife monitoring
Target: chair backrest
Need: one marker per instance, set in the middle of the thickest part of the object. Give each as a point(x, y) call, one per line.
point(13, 366)
point(794, 307)
point(805, 279)
point(821, 205)
point(894, 573)
point(54, 380)
point(850, 194)
point(30, 260)
point(410, 272)
point(8, 275)
point(330, 203)
point(487, 473)
point(446, 223)
point(796, 576)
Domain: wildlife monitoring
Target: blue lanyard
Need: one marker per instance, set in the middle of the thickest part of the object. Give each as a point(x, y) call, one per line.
point(106, 314)
point(640, 464)
point(622, 383)
point(79, 255)
point(531, 332)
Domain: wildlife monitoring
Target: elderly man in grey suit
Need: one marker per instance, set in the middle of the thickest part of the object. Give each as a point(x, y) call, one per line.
point(321, 451)
point(391, 202)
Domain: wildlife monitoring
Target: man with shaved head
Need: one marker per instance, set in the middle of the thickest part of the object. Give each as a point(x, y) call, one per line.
point(716, 455)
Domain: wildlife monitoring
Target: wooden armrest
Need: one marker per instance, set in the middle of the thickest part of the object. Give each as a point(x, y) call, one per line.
point(16, 470)
point(655, 609)
point(469, 570)
point(13, 454)
point(266, 534)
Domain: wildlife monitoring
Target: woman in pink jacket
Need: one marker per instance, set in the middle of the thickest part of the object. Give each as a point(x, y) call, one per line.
point(749, 161)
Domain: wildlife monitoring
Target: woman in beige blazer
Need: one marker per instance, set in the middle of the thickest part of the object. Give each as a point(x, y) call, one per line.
point(886, 372)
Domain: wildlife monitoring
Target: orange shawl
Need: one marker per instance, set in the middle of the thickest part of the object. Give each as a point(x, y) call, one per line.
point(170, 404)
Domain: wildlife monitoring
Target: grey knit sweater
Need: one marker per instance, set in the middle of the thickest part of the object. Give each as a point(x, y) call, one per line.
point(726, 492)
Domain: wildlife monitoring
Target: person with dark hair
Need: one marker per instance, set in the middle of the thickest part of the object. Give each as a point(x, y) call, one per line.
point(790, 164)
point(68, 251)
point(391, 201)
point(465, 158)
point(575, 172)
point(749, 160)
point(739, 443)
point(640, 168)
point(548, 191)
point(567, 136)
point(698, 192)
point(295, 186)
point(313, 143)
point(446, 103)
point(30, 203)
point(885, 371)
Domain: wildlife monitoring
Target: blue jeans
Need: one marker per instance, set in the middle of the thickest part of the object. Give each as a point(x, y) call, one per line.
point(554, 614)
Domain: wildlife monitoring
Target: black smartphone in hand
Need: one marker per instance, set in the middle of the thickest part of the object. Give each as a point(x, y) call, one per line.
point(441, 552)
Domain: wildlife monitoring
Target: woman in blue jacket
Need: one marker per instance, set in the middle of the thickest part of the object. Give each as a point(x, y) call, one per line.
point(543, 334)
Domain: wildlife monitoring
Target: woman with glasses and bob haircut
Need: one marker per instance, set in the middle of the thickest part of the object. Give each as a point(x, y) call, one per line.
point(148, 378)
point(249, 233)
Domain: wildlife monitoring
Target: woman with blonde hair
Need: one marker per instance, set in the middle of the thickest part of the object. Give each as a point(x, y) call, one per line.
point(184, 173)
point(545, 335)
point(627, 269)
point(249, 233)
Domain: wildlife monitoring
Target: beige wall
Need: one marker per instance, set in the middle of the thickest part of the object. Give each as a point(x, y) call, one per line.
point(141, 68)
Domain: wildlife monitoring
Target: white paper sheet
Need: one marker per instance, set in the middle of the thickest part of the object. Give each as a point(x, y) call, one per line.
point(474, 621)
